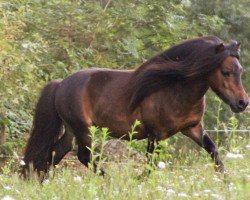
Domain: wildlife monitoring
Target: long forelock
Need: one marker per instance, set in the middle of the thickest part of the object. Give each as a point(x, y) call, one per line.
point(233, 49)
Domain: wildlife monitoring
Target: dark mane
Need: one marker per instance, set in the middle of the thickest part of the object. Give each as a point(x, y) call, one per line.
point(189, 60)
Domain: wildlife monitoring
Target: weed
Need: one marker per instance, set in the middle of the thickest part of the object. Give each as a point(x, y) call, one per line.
point(99, 138)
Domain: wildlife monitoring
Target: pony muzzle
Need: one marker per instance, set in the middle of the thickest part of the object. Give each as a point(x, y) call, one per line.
point(240, 105)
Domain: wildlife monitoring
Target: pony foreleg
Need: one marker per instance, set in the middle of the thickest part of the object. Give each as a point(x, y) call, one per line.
point(198, 135)
point(149, 153)
point(210, 147)
point(152, 150)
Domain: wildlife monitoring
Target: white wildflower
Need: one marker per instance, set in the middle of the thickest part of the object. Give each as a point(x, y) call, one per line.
point(161, 165)
point(25, 45)
point(231, 187)
point(7, 197)
point(248, 177)
point(170, 192)
point(22, 163)
point(186, 3)
point(17, 191)
point(196, 194)
point(181, 194)
point(208, 165)
point(235, 150)
point(216, 196)
point(160, 188)
point(248, 146)
point(207, 191)
point(7, 187)
point(78, 179)
point(46, 181)
point(216, 179)
point(231, 155)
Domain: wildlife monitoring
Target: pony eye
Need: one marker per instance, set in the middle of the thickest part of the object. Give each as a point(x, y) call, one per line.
point(225, 73)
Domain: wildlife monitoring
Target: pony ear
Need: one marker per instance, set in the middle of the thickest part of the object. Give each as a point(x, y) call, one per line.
point(220, 48)
point(238, 44)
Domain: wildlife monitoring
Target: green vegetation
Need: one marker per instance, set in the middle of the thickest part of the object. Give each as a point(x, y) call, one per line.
point(44, 40)
point(188, 174)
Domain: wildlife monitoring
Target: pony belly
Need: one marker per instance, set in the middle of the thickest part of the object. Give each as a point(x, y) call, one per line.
point(122, 130)
point(163, 133)
point(125, 136)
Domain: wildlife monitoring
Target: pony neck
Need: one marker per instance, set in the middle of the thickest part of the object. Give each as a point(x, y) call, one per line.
point(194, 90)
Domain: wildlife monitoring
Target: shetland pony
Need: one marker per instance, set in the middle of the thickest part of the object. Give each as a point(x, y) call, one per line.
point(166, 94)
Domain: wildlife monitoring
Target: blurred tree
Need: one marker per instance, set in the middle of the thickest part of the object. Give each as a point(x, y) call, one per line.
point(236, 17)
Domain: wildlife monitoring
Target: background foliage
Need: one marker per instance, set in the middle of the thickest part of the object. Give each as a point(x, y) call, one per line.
point(42, 40)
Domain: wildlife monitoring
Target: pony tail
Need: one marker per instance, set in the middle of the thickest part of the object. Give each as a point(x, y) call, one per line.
point(46, 127)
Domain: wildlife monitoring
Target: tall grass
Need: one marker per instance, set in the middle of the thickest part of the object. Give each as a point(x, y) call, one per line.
point(191, 177)
point(188, 173)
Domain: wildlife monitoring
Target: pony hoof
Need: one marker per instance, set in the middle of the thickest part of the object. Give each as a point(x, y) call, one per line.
point(101, 172)
point(220, 168)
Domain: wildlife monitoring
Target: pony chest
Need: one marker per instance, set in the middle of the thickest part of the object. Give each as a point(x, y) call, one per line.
point(166, 127)
point(167, 120)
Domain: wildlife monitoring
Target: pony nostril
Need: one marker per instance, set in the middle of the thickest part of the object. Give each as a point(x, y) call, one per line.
point(242, 104)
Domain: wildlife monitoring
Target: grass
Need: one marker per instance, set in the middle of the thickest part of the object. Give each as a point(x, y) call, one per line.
point(189, 174)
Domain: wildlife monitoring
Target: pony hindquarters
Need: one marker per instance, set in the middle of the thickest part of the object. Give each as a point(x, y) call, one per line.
point(46, 127)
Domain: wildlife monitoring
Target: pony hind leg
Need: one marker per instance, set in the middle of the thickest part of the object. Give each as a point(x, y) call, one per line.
point(84, 142)
point(62, 146)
